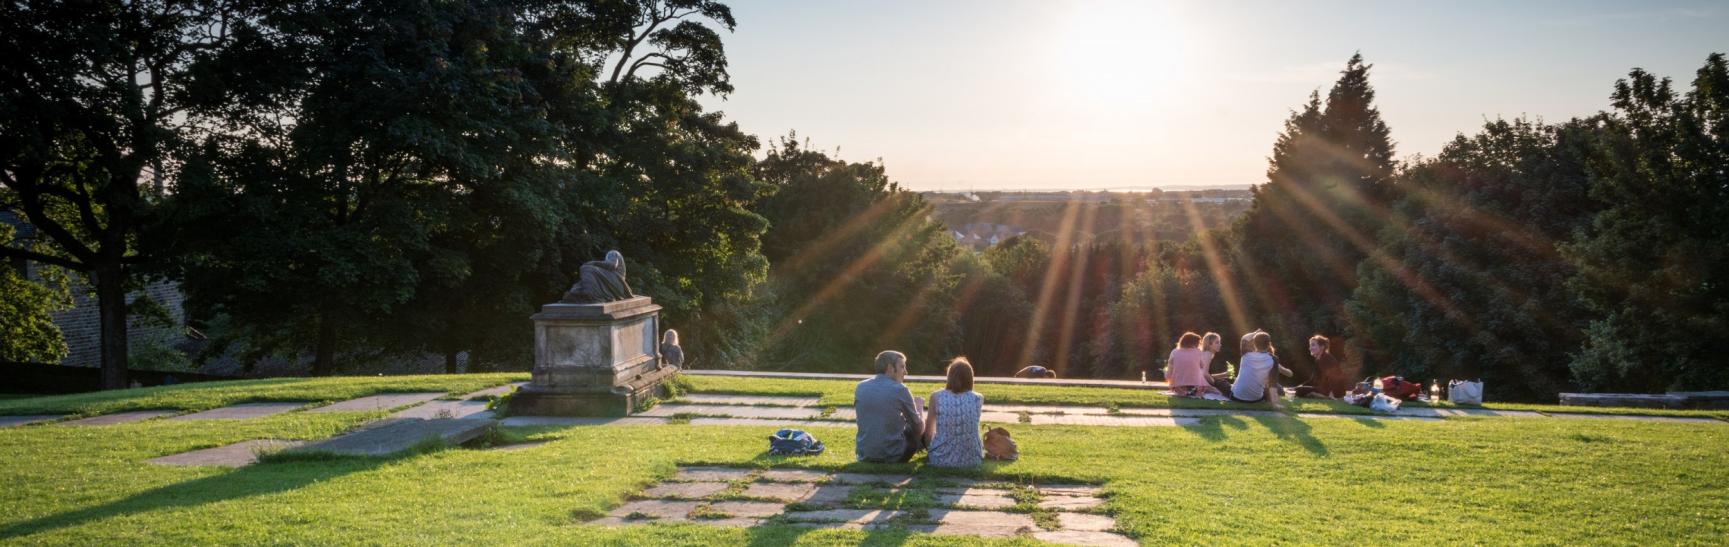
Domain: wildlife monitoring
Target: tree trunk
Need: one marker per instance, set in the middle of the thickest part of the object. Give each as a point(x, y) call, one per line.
point(326, 346)
point(111, 302)
point(450, 361)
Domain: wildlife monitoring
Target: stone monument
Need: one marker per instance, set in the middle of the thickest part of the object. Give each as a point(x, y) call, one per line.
point(596, 352)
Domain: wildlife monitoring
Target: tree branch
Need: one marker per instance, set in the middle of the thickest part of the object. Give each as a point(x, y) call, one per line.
point(39, 257)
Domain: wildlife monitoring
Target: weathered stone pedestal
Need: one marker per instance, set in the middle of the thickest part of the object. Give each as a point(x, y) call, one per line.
point(594, 360)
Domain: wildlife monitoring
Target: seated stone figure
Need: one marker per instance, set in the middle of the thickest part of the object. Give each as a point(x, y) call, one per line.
point(599, 282)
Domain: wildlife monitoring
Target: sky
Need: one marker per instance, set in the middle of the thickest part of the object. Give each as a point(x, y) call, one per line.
point(1112, 94)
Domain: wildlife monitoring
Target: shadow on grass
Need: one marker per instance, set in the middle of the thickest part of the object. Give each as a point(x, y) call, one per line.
point(255, 480)
point(1212, 428)
point(1293, 429)
point(778, 535)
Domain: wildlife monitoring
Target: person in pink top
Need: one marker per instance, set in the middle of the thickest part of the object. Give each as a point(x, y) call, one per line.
point(1188, 367)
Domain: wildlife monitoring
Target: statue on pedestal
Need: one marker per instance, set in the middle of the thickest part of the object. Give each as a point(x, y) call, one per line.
point(599, 282)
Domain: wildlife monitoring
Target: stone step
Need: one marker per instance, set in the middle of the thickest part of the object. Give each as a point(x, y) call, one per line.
point(393, 435)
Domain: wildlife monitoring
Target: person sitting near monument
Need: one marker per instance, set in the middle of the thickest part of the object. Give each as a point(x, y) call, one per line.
point(670, 353)
point(890, 426)
point(952, 423)
point(1187, 368)
point(1255, 381)
point(1036, 371)
point(1330, 381)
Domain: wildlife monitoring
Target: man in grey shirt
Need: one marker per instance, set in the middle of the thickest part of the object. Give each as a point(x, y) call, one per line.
point(890, 429)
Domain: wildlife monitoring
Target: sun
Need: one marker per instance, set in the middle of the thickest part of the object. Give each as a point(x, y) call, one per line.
point(1119, 54)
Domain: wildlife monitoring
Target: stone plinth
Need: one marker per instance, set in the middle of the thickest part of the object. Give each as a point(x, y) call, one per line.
point(593, 359)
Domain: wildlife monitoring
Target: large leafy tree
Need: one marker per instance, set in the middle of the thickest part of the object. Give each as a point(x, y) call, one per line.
point(1329, 181)
point(857, 261)
point(1654, 266)
point(1483, 223)
point(95, 96)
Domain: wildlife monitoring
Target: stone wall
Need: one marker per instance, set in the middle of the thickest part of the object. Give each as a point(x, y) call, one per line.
point(82, 328)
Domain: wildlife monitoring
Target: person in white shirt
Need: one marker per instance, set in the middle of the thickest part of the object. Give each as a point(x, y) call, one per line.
point(1255, 381)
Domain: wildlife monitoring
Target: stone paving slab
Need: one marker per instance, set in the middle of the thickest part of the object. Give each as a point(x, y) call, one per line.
point(240, 454)
point(999, 417)
point(851, 516)
point(122, 417)
point(761, 412)
point(711, 474)
point(659, 509)
point(1078, 537)
point(750, 400)
point(1086, 522)
point(981, 530)
point(867, 478)
point(385, 401)
point(13, 421)
point(1048, 409)
point(781, 492)
point(775, 424)
point(464, 409)
point(565, 421)
point(1070, 503)
point(1114, 421)
point(1070, 489)
point(398, 435)
point(978, 499)
point(959, 517)
point(685, 490)
point(242, 411)
point(736, 522)
point(830, 494)
point(749, 509)
point(793, 475)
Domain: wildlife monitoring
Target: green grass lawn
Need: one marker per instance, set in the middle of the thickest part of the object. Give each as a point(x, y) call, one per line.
point(839, 393)
point(1227, 480)
point(207, 395)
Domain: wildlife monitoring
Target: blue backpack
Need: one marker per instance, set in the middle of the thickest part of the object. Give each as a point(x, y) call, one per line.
point(793, 442)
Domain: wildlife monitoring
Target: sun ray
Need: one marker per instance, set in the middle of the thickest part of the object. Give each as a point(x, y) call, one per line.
point(1216, 269)
point(1047, 289)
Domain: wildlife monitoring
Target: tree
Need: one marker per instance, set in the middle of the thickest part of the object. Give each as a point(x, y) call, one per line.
point(1329, 181)
point(1653, 264)
point(27, 332)
point(857, 260)
point(1483, 223)
point(94, 97)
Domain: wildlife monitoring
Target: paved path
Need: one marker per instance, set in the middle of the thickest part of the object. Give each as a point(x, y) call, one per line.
point(12, 421)
point(239, 454)
point(385, 401)
point(242, 411)
point(1122, 384)
point(393, 435)
point(122, 417)
point(811, 498)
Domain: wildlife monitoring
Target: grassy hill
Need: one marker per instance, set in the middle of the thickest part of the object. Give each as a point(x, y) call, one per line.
point(1230, 479)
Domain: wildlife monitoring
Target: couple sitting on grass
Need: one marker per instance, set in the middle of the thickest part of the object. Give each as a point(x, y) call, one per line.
point(1255, 382)
point(892, 429)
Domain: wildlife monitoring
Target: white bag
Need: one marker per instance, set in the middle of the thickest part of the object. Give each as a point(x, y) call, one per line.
point(1465, 392)
point(1383, 403)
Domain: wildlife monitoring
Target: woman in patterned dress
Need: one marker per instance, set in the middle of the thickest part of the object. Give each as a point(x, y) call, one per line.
point(952, 424)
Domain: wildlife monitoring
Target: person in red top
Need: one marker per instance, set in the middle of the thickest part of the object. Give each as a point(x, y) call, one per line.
point(1330, 381)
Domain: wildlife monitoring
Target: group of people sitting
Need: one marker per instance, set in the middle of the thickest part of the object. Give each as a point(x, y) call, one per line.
point(1188, 370)
point(893, 426)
